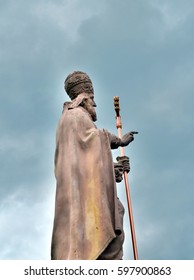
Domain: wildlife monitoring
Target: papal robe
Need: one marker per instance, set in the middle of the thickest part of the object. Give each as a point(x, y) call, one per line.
point(87, 218)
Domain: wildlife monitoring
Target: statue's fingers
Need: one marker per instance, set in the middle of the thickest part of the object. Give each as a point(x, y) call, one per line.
point(134, 132)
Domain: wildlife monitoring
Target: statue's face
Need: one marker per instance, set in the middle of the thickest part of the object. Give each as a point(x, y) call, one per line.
point(90, 106)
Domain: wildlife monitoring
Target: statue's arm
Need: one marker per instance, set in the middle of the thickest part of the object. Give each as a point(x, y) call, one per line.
point(116, 142)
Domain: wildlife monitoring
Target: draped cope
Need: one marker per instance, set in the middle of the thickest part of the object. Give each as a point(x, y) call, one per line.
point(86, 207)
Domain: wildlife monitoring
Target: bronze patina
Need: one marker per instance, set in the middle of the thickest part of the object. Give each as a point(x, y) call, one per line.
point(88, 222)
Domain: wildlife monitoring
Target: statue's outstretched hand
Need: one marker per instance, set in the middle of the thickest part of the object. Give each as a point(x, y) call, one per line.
point(127, 138)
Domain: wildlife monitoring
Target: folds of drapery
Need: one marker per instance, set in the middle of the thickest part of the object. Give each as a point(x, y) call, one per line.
point(86, 209)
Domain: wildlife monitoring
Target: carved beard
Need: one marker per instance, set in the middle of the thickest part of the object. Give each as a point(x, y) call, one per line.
point(90, 108)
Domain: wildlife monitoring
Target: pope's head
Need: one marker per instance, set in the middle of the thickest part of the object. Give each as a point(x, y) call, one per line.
point(78, 83)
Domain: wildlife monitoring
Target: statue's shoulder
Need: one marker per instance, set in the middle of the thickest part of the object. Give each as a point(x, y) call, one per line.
point(73, 112)
point(74, 116)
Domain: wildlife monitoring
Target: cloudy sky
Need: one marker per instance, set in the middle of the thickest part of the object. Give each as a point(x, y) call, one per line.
point(142, 51)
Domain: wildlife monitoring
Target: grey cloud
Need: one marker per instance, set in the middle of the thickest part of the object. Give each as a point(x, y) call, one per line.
point(26, 226)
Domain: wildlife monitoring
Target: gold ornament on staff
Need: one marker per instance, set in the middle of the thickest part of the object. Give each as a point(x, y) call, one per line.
point(119, 127)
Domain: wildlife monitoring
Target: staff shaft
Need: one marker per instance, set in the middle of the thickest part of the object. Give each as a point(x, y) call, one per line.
point(129, 204)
